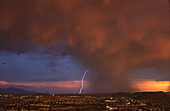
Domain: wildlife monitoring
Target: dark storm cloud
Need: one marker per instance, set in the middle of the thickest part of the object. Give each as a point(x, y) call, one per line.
point(109, 36)
point(37, 66)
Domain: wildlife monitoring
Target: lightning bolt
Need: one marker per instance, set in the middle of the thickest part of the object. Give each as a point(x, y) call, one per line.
point(82, 81)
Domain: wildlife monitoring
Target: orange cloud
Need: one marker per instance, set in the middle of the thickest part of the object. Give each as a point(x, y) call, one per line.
point(110, 36)
point(60, 84)
point(152, 85)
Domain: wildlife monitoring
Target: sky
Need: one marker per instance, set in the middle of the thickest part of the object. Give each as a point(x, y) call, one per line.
point(46, 46)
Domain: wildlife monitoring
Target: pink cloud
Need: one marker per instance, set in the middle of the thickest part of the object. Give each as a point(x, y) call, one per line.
point(60, 84)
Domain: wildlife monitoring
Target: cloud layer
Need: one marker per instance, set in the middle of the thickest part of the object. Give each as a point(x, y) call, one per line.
point(109, 36)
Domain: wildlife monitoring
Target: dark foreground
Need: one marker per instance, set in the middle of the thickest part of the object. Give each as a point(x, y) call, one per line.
point(157, 101)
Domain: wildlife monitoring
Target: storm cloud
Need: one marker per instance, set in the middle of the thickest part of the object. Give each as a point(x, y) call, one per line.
point(110, 37)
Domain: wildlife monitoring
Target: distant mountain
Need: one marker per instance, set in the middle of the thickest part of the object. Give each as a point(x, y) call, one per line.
point(142, 94)
point(13, 90)
point(148, 93)
point(152, 95)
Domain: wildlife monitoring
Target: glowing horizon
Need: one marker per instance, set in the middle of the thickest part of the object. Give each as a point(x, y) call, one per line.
point(152, 85)
point(141, 86)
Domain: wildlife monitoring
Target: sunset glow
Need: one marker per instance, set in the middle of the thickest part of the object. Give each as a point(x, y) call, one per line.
point(152, 85)
point(140, 86)
point(66, 84)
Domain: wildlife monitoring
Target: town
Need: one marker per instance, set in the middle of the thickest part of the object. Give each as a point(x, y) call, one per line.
point(158, 101)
